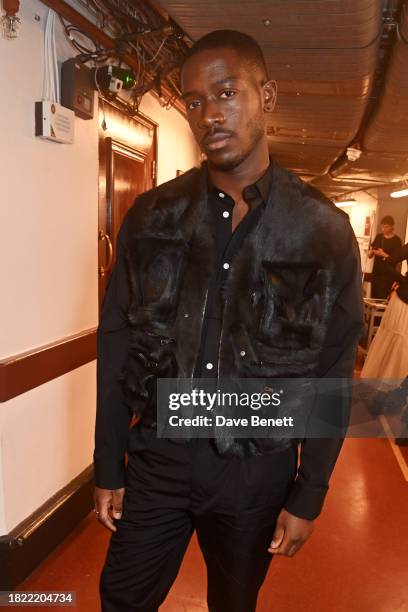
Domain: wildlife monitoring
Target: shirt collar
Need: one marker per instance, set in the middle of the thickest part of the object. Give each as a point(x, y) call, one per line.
point(254, 194)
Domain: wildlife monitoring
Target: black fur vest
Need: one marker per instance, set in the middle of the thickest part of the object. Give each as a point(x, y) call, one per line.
point(278, 297)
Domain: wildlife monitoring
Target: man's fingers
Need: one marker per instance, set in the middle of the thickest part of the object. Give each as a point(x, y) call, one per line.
point(106, 520)
point(295, 547)
point(277, 538)
point(282, 547)
point(288, 547)
point(102, 505)
point(104, 499)
point(295, 533)
point(117, 503)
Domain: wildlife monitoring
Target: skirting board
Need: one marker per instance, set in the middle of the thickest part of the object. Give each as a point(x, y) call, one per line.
point(28, 544)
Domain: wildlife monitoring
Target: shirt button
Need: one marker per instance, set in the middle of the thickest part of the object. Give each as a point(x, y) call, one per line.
point(209, 365)
point(222, 195)
point(225, 214)
point(242, 353)
point(225, 266)
point(186, 315)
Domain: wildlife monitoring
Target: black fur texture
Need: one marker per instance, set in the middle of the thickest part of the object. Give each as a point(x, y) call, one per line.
point(278, 297)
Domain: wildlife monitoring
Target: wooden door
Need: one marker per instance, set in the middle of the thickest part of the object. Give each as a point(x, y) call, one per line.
point(127, 167)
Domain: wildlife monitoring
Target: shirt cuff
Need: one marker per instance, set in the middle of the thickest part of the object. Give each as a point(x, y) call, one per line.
point(305, 501)
point(109, 474)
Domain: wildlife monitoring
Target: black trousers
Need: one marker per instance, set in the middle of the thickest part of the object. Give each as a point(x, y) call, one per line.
point(381, 287)
point(173, 488)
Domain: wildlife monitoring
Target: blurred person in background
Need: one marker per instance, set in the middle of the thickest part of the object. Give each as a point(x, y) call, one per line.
point(384, 245)
point(387, 357)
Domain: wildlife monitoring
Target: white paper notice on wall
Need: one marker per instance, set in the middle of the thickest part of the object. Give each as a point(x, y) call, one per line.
point(54, 122)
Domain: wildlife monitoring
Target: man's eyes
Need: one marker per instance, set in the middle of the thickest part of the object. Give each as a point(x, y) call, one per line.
point(225, 95)
point(192, 105)
point(228, 91)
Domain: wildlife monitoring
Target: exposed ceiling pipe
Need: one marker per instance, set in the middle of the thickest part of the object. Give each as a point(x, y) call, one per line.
point(372, 185)
point(339, 166)
point(368, 183)
point(391, 14)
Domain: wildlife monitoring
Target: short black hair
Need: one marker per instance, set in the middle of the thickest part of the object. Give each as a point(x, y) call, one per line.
point(387, 220)
point(246, 46)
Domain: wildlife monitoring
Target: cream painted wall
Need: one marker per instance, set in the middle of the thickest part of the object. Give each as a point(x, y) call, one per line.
point(358, 214)
point(46, 440)
point(3, 528)
point(364, 207)
point(49, 262)
point(49, 220)
point(49, 206)
point(177, 150)
point(397, 207)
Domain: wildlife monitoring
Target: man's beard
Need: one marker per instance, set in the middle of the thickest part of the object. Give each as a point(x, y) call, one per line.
point(257, 129)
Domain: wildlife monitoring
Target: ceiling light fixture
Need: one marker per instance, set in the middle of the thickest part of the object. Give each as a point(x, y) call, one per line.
point(342, 203)
point(399, 194)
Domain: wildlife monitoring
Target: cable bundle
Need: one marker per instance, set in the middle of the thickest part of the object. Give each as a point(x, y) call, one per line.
point(140, 31)
point(51, 89)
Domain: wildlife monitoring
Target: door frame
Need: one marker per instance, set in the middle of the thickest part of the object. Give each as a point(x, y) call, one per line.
point(106, 148)
point(111, 146)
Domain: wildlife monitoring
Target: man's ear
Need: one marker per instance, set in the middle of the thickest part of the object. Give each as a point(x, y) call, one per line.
point(270, 92)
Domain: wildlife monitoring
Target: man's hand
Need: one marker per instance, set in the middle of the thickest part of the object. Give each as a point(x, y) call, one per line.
point(108, 504)
point(291, 532)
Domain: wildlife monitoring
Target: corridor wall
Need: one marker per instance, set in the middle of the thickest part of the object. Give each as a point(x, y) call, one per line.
point(49, 247)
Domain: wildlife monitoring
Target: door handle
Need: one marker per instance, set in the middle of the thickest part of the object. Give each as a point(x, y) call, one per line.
point(103, 270)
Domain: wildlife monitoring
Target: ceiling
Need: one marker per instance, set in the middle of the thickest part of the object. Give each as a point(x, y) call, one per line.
point(342, 73)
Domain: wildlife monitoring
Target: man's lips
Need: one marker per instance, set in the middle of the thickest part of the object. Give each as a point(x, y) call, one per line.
point(217, 141)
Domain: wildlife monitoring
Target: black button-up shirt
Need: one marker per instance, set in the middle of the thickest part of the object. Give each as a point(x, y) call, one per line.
point(227, 244)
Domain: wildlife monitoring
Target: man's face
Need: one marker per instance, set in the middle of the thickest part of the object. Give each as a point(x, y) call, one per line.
point(225, 104)
point(386, 229)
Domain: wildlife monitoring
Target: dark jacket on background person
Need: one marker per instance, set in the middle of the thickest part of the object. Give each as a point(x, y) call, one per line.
point(382, 274)
point(292, 308)
point(399, 255)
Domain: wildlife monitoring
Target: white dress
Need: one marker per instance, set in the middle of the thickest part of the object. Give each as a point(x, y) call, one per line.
point(387, 357)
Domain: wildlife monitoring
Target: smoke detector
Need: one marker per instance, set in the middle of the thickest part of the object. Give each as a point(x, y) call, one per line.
point(353, 154)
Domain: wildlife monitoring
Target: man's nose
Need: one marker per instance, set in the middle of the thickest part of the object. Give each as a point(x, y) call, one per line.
point(211, 114)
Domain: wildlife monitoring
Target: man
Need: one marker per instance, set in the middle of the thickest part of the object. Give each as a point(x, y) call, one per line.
point(384, 244)
point(232, 270)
